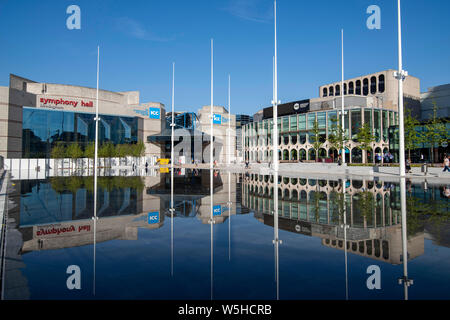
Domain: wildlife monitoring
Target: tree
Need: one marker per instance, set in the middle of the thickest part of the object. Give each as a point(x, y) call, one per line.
point(58, 151)
point(337, 137)
point(365, 138)
point(89, 152)
point(74, 151)
point(139, 149)
point(435, 131)
point(315, 138)
point(413, 138)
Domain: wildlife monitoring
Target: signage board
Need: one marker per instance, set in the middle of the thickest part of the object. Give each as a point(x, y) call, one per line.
point(154, 113)
point(153, 217)
point(217, 211)
point(217, 118)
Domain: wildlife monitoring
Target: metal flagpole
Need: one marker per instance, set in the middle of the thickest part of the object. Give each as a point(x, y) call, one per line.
point(275, 99)
point(345, 226)
point(95, 218)
point(342, 88)
point(172, 209)
point(404, 280)
point(229, 120)
point(211, 171)
point(401, 75)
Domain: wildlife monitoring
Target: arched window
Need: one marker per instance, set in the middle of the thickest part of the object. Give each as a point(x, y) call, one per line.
point(358, 87)
point(325, 92)
point(381, 86)
point(365, 87)
point(373, 85)
point(345, 89)
point(351, 88)
point(338, 90)
point(331, 91)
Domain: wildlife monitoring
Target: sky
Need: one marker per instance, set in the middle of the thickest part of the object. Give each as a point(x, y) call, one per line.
point(139, 40)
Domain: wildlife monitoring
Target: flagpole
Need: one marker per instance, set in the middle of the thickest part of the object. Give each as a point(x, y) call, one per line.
point(229, 120)
point(95, 218)
point(401, 75)
point(342, 88)
point(172, 209)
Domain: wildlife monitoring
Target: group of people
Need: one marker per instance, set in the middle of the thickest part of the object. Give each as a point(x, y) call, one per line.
point(387, 157)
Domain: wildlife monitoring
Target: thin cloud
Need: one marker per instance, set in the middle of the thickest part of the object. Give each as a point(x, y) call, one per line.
point(251, 10)
point(136, 30)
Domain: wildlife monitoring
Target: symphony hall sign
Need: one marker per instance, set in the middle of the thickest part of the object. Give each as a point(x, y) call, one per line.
point(60, 103)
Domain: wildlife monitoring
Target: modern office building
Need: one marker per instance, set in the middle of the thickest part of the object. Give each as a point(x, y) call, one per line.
point(35, 116)
point(371, 99)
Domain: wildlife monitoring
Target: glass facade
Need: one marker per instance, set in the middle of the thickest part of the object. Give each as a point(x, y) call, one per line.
point(43, 128)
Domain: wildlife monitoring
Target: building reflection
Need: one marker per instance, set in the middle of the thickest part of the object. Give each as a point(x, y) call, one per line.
point(57, 212)
point(314, 207)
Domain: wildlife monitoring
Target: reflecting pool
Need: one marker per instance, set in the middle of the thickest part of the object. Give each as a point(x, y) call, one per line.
point(215, 235)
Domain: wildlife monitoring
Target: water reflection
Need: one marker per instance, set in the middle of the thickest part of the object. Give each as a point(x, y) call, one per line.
point(379, 221)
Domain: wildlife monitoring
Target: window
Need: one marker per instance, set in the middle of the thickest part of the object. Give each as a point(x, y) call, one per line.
point(365, 87)
point(358, 87)
point(293, 121)
point(351, 88)
point(311, 120)
point(302, 122)
point(338, 90)
point(377, 124)
point(331, 91)
point(381, 86)
point(356, 122)
point(345, 89)
point(325, 92)
point(321, 119)
point(373, 85)
point(285, 124)
point(385, 125)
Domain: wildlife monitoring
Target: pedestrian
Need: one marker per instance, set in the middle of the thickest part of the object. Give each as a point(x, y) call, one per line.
point(391, 158)
point(421, 158)
point(446, 164)
point(408, 166)
point(339, 160)
point(386, 157)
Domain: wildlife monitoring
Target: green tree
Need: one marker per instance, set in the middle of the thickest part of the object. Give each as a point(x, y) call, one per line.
point(314, 137)
point(89, 152)
point(58, 151)
point(139, 149)
point(337, 137)
point(413, 138)
point(107, 150)
point(435, 131)
point(74, 151)
point(122, 150)
point(365, 138)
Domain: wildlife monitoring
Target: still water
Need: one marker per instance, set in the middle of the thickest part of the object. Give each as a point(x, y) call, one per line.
point(139, 249)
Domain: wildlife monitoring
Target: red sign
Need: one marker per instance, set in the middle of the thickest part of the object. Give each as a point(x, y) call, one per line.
point(56, 102)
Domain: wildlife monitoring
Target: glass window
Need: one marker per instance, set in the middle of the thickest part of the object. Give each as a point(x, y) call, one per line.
point(365, 87)
point(358, 87)
point(311, 120)
point(331, 91)
point(285, 124)
point(377, 124)
point(338, 90)
point(43, 128)
point(293, 120)
point(302, 122)
point(356, 122)
point(381, 86)
point(385, 125)
point(351, 89)
point(373, 85)
point(321, 119)
point(331, 115)
point(325, 92)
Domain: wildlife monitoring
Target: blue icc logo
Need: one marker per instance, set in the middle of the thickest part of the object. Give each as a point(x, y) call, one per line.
point(217, 119)
point(153, 217)
point(217, 211)
point(154, 113)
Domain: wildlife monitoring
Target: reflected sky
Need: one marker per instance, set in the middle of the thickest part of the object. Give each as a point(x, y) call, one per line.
point(51, 228)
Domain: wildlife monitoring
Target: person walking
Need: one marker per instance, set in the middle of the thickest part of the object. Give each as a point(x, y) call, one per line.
point(408, 166)
point(446, 164)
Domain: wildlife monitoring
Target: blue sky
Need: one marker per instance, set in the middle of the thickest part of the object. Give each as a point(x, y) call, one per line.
point(139, 40)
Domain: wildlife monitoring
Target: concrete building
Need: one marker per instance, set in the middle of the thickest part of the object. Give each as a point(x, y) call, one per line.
point(371, 99)
point(439, 95)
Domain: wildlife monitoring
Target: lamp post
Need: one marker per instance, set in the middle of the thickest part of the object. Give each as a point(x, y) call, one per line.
point(342, 87)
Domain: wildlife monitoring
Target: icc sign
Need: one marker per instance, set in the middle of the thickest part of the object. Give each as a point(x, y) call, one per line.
point(154, 113)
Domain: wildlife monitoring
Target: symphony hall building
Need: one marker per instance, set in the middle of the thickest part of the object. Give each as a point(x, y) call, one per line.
point(369, 99)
